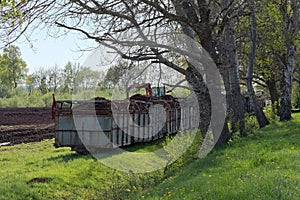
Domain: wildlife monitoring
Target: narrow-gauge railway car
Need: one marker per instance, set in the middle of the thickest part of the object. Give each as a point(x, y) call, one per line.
point(101, 123)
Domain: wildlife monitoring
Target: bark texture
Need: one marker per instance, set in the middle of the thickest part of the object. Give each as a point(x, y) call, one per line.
point(260, 116)
point(194, 78)
point(229, 69)
point(291, 20)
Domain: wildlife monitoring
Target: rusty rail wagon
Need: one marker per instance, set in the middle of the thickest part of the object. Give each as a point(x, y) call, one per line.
point(101, 123)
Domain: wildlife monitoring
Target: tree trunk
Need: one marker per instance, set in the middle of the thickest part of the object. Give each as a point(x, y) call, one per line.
point(291, 20)
point(298, 103)
point(229, 62)
point(272, 87)
point(260, 116)
point(230, 75)
point(285, 109)
point(194, 78)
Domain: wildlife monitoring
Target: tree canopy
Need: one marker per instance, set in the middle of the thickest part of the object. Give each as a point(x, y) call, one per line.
point(12, 69)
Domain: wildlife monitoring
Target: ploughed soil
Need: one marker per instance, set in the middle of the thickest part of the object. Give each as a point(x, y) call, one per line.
point(24, 125)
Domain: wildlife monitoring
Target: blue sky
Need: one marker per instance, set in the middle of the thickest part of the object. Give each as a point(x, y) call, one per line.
point(44, 51)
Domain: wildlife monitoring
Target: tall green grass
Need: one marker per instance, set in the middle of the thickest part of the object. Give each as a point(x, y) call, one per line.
point(264, 165)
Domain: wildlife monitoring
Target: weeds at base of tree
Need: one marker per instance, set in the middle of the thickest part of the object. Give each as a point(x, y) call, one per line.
point(123, 184)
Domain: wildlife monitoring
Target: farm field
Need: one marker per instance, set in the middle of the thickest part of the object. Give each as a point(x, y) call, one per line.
point(264, 165)
point(22, 125)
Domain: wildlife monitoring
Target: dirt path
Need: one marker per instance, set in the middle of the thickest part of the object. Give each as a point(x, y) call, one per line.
point(23, 125)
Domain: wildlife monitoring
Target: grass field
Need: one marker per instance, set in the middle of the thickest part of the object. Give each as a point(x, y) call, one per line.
point(39, 171)
point(264, 165)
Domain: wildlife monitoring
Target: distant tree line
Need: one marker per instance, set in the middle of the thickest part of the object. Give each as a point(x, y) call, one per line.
point(69, 79)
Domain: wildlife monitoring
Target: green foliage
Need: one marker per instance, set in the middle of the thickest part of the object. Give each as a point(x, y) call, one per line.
point(12, 70)
point(180, 92)
point(182, 149)
point(69, 74)
point(10, 10)
point(35, 90)
point(271, 113)
point(24, 100)
point(251, 123)
point(270, 48)
point(115, 74)
point(296, 94)
point(37, 99)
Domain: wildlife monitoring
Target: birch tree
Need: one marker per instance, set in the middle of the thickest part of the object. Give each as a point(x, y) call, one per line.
point(290, 13)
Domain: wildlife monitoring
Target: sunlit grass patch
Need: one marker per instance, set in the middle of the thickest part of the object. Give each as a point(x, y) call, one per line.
point(264, 165)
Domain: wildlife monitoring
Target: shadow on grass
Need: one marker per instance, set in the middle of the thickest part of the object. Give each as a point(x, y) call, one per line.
point(95, 155)
point(296, 111)
point(102, 153)
point(70, 157)
point(146, 146)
